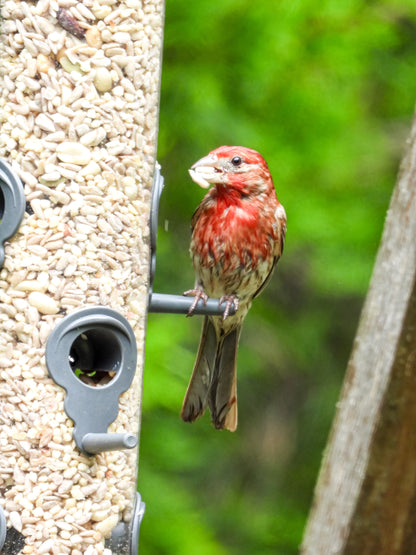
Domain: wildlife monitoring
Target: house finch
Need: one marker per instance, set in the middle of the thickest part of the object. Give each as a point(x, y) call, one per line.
point(238, 232)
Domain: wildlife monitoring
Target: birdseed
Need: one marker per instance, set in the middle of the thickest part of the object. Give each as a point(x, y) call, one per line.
point(79, 99)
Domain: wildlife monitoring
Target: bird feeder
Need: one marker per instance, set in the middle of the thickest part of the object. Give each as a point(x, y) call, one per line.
point(79, 195)
point(78, 126)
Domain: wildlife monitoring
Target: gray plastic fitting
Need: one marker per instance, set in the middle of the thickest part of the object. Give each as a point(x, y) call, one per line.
point(91, 342)
point(97, 443)
point(12, 204)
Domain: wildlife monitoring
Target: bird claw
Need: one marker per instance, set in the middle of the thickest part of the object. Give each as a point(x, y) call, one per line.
point(199, 294)
point(229, 300)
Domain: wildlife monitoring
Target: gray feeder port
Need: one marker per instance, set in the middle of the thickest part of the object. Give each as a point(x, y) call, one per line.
point(92, 354)
point(12, 204)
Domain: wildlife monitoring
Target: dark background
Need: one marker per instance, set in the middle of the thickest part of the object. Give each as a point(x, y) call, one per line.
point(325, 91)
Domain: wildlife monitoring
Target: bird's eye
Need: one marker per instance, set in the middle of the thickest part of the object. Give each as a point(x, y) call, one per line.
point(236, 161)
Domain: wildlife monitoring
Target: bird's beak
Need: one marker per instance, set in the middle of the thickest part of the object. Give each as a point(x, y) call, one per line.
point(206, 171)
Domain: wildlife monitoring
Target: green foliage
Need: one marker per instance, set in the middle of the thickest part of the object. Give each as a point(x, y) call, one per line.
point(325, 91)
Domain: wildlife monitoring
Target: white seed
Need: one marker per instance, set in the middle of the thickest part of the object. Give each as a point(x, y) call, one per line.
point(101, 10)
point(45, 123)
point(73, 153)
point(16, 521)
point(102, 79)
point(44, 303)
point(90, 169)
point(106, 526)
point(121, 37)
point(28, 285)
point(93, 138)
point(60, 197)
point(75, 540)
point(5, 362)
point(51, 179)
point(99, 515)
point(93, 37)
point(46, 547)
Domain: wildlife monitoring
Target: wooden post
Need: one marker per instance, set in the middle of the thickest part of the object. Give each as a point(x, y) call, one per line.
point(365, 498)
point(79, 100)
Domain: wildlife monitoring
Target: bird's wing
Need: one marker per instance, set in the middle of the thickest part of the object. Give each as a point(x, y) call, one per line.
point(280, 235)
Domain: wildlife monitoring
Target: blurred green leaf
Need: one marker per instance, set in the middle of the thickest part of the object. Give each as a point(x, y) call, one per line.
point(325, 91)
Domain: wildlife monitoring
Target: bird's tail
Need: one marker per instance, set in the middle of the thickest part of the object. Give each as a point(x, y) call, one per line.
point(222, 398)
point(214, 379)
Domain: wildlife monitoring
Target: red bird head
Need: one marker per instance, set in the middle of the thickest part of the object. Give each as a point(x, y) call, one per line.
point(236, 167)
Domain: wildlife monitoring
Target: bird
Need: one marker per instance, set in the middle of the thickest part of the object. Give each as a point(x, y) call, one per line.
point(238, 234)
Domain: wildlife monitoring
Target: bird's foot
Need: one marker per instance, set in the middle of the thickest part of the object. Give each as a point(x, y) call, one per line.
point(199, 294)
point(229, 300)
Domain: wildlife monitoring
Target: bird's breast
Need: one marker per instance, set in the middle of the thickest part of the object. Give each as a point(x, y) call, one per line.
point(231, 247)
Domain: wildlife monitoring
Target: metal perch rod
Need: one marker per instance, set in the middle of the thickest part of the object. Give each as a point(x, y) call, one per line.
point(178, 304)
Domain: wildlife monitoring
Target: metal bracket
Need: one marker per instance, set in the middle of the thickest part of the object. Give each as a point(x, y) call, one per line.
point(12, 204)
point(97, 345)
point(161, 302)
